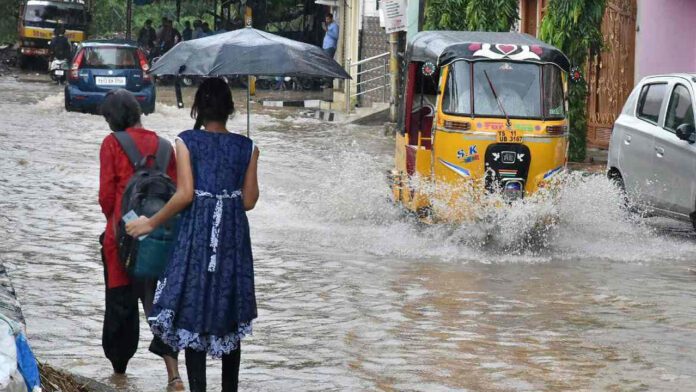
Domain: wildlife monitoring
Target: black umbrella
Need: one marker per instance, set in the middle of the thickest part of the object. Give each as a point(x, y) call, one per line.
point(248, 52)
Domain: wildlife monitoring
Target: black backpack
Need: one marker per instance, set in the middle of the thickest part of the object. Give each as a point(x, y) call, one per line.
point(147, 191)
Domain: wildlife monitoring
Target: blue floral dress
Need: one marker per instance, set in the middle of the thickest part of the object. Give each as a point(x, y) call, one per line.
point(205, 300)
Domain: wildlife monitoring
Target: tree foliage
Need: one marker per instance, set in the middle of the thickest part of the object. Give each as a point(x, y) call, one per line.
point(574, 26)
point(472, 15)
point(9, 9)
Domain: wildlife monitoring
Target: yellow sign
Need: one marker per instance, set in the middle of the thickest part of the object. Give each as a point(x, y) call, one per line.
point(47, 34)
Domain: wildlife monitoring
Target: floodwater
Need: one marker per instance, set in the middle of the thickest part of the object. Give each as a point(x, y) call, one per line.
point(353, 295)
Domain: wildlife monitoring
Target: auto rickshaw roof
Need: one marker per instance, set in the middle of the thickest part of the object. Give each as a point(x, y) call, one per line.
point(444, 47)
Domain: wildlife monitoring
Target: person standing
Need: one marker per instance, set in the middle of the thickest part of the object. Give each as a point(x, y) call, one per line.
point(207, 32)
point(331, 37)
point(147, 36)
point(197, 29)
point(205, 301)
point(187, 34)
point(120, 334)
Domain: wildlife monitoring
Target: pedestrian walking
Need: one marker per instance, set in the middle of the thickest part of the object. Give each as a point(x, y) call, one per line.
point(205, 302)
point(121, 317)
point(331, 37)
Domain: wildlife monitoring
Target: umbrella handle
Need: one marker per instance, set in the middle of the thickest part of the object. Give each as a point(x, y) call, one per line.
point(177, 91)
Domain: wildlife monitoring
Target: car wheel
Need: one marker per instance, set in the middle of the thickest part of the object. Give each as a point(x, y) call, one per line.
point(617, 179)
point(68, 108)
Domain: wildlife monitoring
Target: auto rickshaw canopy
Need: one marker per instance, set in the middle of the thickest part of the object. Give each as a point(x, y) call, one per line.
point(444, 47)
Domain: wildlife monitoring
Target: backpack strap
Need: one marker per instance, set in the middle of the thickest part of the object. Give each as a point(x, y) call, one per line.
point(128, 145)
point(163, 155)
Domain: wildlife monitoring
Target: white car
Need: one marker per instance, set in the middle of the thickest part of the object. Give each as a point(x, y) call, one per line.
point(652, 154)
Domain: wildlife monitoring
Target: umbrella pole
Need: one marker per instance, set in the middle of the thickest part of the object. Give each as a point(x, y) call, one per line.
point(248, 102)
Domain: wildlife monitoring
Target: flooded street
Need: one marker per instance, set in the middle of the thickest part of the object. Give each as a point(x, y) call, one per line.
point(353, 295)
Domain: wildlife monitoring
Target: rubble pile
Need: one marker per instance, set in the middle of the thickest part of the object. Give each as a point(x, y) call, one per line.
point(8, 58)
point(53, 380)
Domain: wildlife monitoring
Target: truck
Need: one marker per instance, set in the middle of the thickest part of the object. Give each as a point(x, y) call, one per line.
point(38, 20)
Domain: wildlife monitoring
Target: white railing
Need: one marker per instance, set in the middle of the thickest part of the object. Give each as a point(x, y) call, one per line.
point(384, 66)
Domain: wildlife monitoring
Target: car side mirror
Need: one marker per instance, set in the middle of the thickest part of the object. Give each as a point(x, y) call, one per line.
point(687, 132)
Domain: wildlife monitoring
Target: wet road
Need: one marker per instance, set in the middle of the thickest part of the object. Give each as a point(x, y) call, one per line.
point(353, 295)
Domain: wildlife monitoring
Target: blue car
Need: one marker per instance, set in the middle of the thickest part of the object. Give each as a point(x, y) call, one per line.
point(101, 66)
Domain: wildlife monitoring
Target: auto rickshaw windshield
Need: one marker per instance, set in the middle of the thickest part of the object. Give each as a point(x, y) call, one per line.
point(517, 85)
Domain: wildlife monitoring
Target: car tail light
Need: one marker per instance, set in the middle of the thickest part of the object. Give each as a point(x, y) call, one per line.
point(458, 125)
point(76, 65)
point(556, 129)
point(144, 66)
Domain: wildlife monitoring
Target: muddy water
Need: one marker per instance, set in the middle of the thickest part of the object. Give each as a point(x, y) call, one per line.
point(353, 295)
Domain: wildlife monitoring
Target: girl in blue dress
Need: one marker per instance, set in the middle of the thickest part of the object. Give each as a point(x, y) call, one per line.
point(205, 300)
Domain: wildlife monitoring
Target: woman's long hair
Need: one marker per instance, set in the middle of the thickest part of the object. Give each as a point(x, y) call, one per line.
point(213, 102)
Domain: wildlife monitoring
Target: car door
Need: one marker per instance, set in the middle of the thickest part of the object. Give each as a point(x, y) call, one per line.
point(675, 159)
point(636, 154)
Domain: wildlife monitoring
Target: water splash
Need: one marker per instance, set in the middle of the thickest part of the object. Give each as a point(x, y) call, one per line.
point(583, 217)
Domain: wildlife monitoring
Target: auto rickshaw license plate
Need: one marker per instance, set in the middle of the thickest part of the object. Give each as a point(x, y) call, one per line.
point(509, 136)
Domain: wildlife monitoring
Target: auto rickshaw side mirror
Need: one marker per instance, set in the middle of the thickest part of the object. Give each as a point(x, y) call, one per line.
point(687, 132)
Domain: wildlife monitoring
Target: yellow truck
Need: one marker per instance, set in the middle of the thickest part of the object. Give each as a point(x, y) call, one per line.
point(38, 20)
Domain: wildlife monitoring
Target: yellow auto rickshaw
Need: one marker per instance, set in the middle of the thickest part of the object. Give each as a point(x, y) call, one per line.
point(482, 113)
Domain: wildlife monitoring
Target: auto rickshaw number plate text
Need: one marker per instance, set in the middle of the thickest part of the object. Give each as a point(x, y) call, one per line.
point(508, 136)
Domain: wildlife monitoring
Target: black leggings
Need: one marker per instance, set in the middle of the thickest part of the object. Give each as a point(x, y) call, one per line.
point(121, 331)
point(195, 368)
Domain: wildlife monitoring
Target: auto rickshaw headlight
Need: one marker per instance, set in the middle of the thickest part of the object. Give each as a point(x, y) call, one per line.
point(458, 125)
point(556, 129)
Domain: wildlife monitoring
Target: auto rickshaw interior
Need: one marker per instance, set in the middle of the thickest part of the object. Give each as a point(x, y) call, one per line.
point(421, 105)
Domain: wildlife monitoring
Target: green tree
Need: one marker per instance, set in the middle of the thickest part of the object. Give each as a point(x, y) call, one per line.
point(472, 15)
point(9, 9)
point(574, 26)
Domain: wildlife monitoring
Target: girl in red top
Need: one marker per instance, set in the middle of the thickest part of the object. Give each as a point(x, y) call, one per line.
point(121, 318)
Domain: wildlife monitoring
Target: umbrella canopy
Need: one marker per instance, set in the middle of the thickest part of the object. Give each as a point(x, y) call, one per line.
point(248, 51)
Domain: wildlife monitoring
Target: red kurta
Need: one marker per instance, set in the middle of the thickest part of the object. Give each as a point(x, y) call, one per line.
point(115, 171)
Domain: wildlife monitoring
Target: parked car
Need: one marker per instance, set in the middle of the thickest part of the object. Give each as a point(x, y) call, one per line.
point(652, 154)
point(100, 66)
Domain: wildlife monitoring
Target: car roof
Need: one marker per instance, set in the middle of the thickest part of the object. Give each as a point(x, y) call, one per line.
point(110, 42)
point(683, 75)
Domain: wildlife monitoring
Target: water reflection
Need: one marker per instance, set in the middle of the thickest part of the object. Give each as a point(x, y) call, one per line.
point(353, 295)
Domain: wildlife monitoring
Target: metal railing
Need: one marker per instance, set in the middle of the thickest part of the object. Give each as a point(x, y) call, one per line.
point(384, 66)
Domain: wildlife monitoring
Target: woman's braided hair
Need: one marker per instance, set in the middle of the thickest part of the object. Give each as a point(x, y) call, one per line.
point(213, 102)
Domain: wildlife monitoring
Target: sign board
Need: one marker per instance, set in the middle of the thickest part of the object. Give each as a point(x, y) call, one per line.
point(394, 12)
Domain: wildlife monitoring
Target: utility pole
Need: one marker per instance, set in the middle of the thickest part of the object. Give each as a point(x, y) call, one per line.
point(129, 18)
point(394, 70)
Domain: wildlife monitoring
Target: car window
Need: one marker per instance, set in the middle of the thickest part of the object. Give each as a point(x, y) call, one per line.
point(680, 110)
point(630, 106)
point(650, 101)
point(110, 57)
